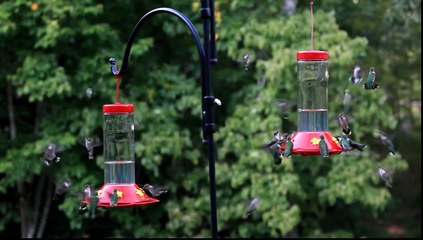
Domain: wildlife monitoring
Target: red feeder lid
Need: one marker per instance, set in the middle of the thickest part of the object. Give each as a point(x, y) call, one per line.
point(118, 108)
point(312, 55)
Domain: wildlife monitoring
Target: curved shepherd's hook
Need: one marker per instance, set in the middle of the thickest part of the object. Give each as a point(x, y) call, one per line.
point(207, 99)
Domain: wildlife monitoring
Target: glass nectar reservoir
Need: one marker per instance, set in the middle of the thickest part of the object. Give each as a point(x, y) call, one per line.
point(119, 160)
point(313, 77)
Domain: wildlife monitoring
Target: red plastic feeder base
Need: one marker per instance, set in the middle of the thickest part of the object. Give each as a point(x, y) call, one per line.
point(307, 143)
point(129, 195)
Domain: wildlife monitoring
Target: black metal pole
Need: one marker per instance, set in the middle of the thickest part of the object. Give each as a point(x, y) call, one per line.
point(208, 100)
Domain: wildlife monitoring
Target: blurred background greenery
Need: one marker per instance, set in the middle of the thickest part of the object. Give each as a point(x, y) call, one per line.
point(53, 51)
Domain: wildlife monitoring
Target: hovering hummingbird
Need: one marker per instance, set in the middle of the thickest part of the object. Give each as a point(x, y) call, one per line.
point(113, 198)
point(289, 7)
point(275, 151)
point(86, 195)
point(386, 176)
point(88, 92)
point(343, 121)
point(347, 102)
point(388, 142)
point(155, 191)
point(245, 61)
point(323, 147)
point(274, 146)
point(284, 107)
point(90, 143)
point(356, 77)
point(252, 205)
point(61, 188)
point(277, 138)
point(288, 147)
point(50, 154)
point(371, 80)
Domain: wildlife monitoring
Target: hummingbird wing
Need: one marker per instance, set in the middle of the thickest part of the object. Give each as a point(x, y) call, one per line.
point(270, 143)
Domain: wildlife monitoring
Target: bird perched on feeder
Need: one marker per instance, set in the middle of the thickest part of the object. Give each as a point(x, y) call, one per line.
point(155, 191)
point(344, 141)
point(50, 154)
point(93, 205)
point(61, 188)
point(387, 142)
point(343, 121)
point(323, 147)
point(386, 176)
point(347, 102)
point(90, 143)
point(252, 205)
point(113, 198)
point(371, 80)
point(348, 144)
point(288, 147)
point(356, 77)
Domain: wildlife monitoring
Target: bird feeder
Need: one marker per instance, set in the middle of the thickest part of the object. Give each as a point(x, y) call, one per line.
point(119, 159)
point(313, 76)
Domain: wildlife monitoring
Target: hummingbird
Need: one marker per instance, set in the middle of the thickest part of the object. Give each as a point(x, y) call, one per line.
point(274, 140)
point(347, 101)
point(284, 107)
point(155, 191)
point(62, 187)
point(344, 141)
point(356, 77)
point(356, 145)
point(93, 205)
point(252, 205)
point(371, 80)
point(343, 121)
point(113, 198)
point(386, 176)
point(323, 147)
point(90, 143)
point(246, 61)
point(277, 138)
point(276, 152)
point(86, 195)
point(388, 142)
point(289, 7)
point(88, 92)
point(288, 147)
point(50, 154)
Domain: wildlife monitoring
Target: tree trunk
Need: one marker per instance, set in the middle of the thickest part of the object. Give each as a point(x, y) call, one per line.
point(11, 111)
point(23, 209)
point(46, 209)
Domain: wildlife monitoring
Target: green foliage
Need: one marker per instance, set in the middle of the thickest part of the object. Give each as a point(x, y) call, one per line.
point(53, 51)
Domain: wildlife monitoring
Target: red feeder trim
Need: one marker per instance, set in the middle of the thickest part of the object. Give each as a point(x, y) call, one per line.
point(307, 143)
point(118, 108)
point(312, 55)
point(129, 195)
